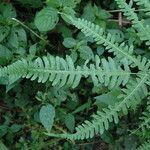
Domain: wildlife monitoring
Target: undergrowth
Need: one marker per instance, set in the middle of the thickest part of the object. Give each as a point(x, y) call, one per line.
point(74, 74)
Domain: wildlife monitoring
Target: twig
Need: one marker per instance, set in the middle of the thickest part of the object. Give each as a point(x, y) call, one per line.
point(118, 10)
point(4, 107)
point(120, 18)
point(123, 21)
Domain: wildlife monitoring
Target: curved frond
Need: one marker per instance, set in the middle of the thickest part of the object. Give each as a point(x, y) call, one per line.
point(63, 71)
point(133, 94)
point(146, 4)
point(145, 124)
point(143, 65)
point(143, 31)
point(91, 30)
point(144, 146)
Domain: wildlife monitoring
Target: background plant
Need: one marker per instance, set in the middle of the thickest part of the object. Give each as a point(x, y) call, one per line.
point(63, 61)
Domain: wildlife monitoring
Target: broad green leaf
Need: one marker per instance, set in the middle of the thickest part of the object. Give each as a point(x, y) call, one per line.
point(53, 3)
point(33, 49)
point(5, 54)
point(7, 10)
point(47, 114)
point(70, 11)
point(101, 13)
point(2, 146)
point(70, 122)
point(4, 31)
point(17, 37)
point(100, 50)
point(88, 13)
point(61, 3)
point(13, 39)
point(86, 52)
point(108, 98)
point(15, 128)
point(46, 19)
point(82, 107)
point(74, 56)
point(65, 31)
point(69, 42)
point(3, 80)
point(3, 130)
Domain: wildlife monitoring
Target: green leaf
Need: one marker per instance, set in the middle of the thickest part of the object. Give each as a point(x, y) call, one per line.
point(61, 3)
point(47, 114)
point(5, 54)
point(82, 107)
point(69, 42)
point(70, 122)
point(70, 11)
point(46, 19)
point(3, 130)
point(15, 128)
point(4, 31)
point(32, 50)
point(52, 3)
point(17, 37)
point(86, 52)
point(2, 146)
point(7, 10)
point(100, 50)
point(108, 98)
point(65, 31)
point(101, 13)
point(88, 13)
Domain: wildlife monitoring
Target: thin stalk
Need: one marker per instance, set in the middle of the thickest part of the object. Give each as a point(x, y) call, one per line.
point(33, 32)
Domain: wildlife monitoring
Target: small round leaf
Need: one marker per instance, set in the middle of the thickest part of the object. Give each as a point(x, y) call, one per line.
point(47, 114)
point(46, 19)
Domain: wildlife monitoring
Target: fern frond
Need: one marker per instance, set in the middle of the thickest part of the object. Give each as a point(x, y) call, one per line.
point(145, 122)
point(63, 72)
point(145, 3)
point(145, 125)
point(132, 94)
point(145, 136)
point(143, 64)
point(144, 146)
point(91, 30)
point(143, 31)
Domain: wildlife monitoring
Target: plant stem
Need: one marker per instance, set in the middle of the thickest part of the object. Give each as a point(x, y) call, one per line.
point(33, 32)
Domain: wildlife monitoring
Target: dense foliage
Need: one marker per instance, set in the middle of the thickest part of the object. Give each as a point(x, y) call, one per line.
point(74, 74)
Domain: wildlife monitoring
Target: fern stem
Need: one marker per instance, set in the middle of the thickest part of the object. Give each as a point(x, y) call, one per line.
point(119, 10)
